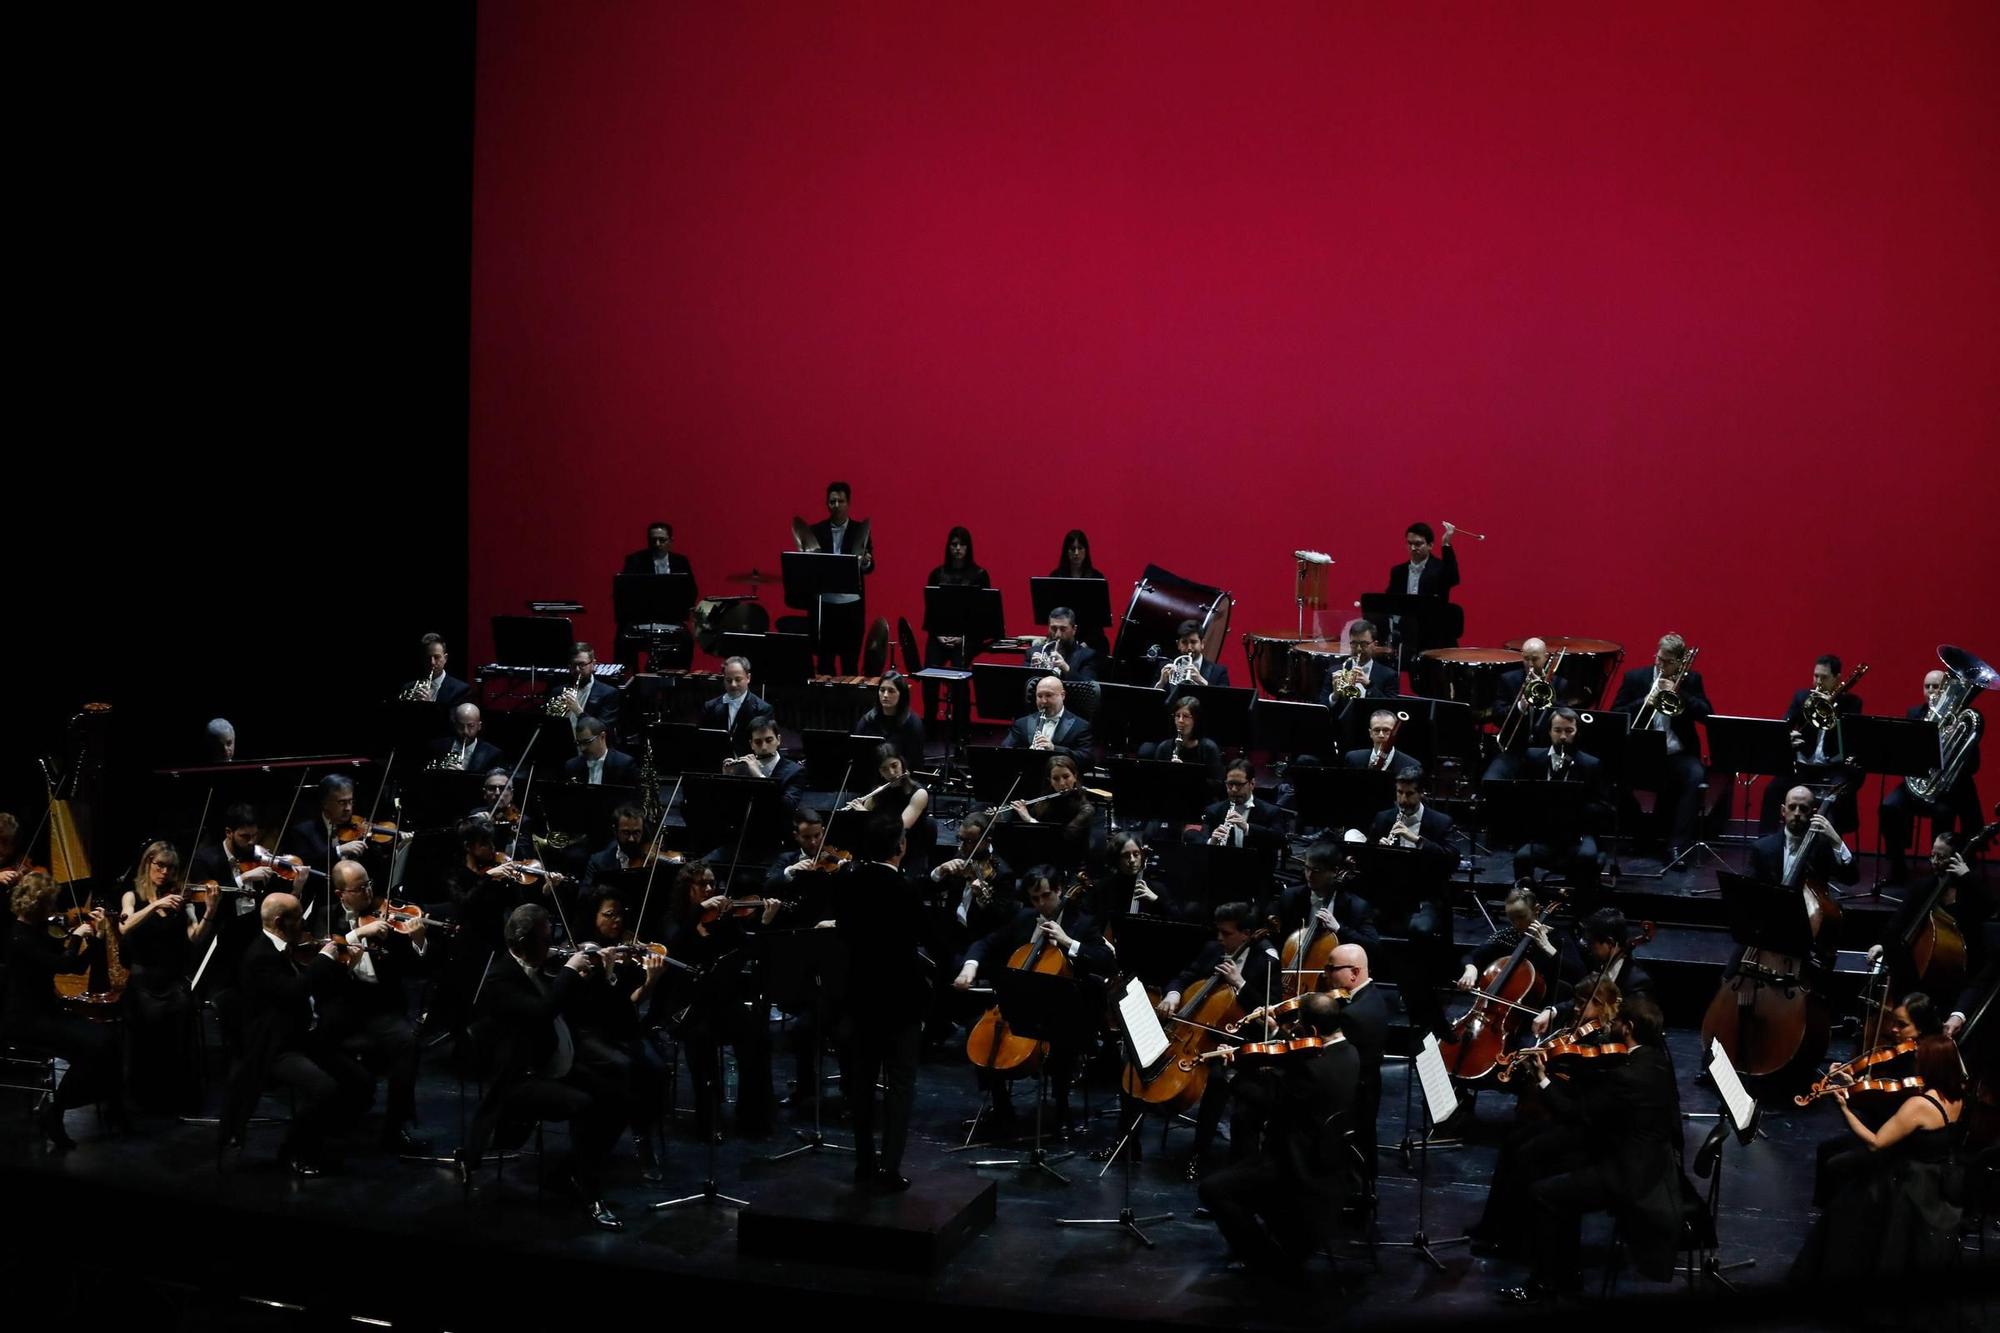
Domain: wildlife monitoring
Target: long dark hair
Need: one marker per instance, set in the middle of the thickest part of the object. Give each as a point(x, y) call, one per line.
point(1062, 556)
point(900, 683)
point(958, 534)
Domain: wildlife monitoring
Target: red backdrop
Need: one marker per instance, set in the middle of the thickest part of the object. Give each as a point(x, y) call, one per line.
point(1692, 309)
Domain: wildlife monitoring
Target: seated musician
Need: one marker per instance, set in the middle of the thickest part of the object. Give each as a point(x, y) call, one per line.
point(1806, 849)
point(1836, 1159)
point(1364, 1011)
point(595, 762)
point(463, 751)
point(1818, 756)
point(612, 1019)
point(1545, 952)
point(1325, 895)
point(1892, 1212)
point(1051, 726)
point(366, 1015)
point(808, 839)
point(221, 738)
point(283, 1045)
point(33, 1014)
point(1359, 668)
point(724, 1006)
point(1679, 794)
point(529, 1065)
point(434, 685)
point(1532, 727)
point(1598, 951)
point(1956, 807)
point(1059, 923)
point(1426, 574)
point(959, 570)
point(316, 840)
point(496, 794)
point(244, 872)
point(1576, 856)
point(736, 707)
point(1187, 745)
point(583, 695)
point(1536, 1145)
point(157, 944)
point(1628, 1159)
point(1239, 819)
point(1381, 755)
point(893, 720)
point(1187, 638)
point(1062, 653)
point(1241, 959)
point(1431, 953)
point(1278, 1202)
point(627, 849)
point(482, 897)
point(1123, 890)
point(978, 886)
point(658, 556)
point(1939, 889)
point(765, 761)
point(1068, 807)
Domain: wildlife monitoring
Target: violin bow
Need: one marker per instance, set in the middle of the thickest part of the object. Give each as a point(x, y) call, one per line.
point(991, 820)
point(525, 752)
point(839, 797)
point(653, 855)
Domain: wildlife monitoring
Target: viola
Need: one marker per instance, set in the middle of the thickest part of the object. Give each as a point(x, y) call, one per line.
point(1265, 1050)
point(1912, 1084)
point(734, 907)
point(380, 831)
point(287, 868)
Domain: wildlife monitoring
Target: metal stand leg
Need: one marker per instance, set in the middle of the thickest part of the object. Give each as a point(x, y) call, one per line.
point(1126, 1221)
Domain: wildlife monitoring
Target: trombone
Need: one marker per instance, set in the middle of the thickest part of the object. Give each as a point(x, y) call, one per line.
point(1667, 703)
point(1537, 693)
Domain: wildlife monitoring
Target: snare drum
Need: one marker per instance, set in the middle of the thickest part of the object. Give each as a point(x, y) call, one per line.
point(1467, 675)
point(1588, 665)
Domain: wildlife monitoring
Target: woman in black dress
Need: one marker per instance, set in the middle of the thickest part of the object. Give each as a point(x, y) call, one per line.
point(959, 570)
point(1888, 1213)
point(1074, 563)
point(901, 795)
point(893, 720)
point(157, 940)
point(34, 1016)
point(1068, 807)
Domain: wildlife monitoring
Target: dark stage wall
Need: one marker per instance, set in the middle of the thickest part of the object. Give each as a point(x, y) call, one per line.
point(1689, 307)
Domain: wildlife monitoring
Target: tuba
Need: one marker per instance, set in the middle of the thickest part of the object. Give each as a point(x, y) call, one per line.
point(1958, 723)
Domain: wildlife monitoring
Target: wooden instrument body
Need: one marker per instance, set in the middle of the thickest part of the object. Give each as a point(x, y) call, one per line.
point(1768, 1027)
point(1484, 1034)
point(1304, 959)
point(992, 1045)
point(1183, 1077)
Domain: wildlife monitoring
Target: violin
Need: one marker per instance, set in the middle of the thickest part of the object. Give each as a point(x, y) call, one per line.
point(521, 872)
point(1569, 1046)
point(1282, 1009)
point(1912, 1084)
point(287, 868)
point(350, 951)
point(1842, 1076)
point(380, 831)
point(402, 916)
point(734, 907)
point(1260, 1050)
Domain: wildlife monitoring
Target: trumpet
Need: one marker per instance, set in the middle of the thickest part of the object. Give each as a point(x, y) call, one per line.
point(1665, 702)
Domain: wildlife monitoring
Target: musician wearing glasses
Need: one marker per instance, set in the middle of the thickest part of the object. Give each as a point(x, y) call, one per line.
point(1062, 653)
point(1191, 667)
point(1051, 727)
point(1957, 805)
point(596, 763)
point(1325, 896)
point(1358, 675)
point(463, 751)
point(1818, 752)
point(1668, 697)
point(1240, 819)
point(658, 556)
point(583, 694)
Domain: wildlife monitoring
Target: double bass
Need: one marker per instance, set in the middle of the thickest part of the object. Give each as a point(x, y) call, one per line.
point(1768, 1017)
point(1934, 944)
point(1508, 995)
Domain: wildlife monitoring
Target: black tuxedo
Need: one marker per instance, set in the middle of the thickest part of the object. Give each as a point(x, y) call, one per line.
point(514, 1034)
point(888, 991)
point(1383, 681)
point(1533, 730)
point(1632, 979)
point(715, 716)
point(1636, 684)
point(641, 562)
point(1844, 707)
point(1574, 853)
point(448, 693)
point(1093, 958)
point(1267, 823)
point(280, 1046)
point(1439, 576)
point(483, 758)
point(1956, 808)
point(1679, 785)
point(1767, 861)
point(1082, 659)
point(1431, 952)
point(1213, 673)
point(1356, 916)
point(1207, 754)
point(1072, 736)
point(370, 1020)
point(1627, 1118)
point(1433, 830)
point(603, 702)
point(790, 777)
point(620, 769)
point(1402, 763)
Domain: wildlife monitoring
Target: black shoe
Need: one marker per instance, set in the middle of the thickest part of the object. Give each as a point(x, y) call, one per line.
point(405, 1144)
point(50, 1122)
point(1531, 1293)
point(889, 1181)
point(600, 1213)
point(305, 1168)
point(466, 1162)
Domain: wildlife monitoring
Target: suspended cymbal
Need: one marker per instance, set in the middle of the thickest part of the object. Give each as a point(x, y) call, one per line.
point(749, 576)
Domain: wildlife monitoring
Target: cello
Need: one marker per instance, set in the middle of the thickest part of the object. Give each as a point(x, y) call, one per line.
point(1767, 1016)
point(992, 1045)
point(1508, 995)
point(1207, 1013)
point(1307, 950)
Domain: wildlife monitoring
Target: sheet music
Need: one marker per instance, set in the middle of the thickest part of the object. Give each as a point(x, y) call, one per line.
point(1142, 1025)
point(1742, 1106)
point(1439, 1094)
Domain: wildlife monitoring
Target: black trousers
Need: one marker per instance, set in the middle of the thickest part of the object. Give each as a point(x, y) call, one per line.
point(888, 1052)
point(93, 1052)
point(1679, 796)
point(1559, 1203)
point(1576, 862)
point(1958, 809)
point(1531, 1151)
point(632, 1064)
point(840, 626)
point(589, 1103)
point(331, 1090)
point(1431, 959)
point(745, 1028)
point(385, 1044)
point(1272, 1219)
point(162, 1048)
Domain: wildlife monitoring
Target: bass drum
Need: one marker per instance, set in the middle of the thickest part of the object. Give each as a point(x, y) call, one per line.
point(1588, 665)
point(717, 616)
point(1160, 602)
point(1280, 665)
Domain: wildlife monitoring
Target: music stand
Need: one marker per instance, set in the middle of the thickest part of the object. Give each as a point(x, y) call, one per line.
point(683, 747)
point(579, 808)
point(1033, 1005)
point(1156, 790)
point(1024, 845)
point(828, 753)
point(1156, 949)
point(1090, 599)
point(1758, 746)
point(1450, 731)
point(1739, 1112)
point(1123, 710)
point(1604, 735)
point(1411, 621)
point(775, 659)
point(799, 965)
point(1286, 729)
point(722, 809)
point(1770, 917)
point(1225, 711)
point(1339, 797)
point(811, 575)
point(533, 641)
point(1001, 689)
point(651, 599)
point(1888, 746)
point(439, 797)
point(1440, 1104)
point(1002, 774)
point(1219, 875)
point(1147, 1051)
